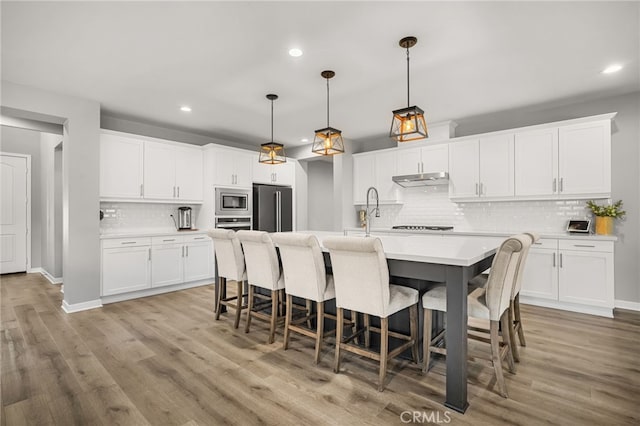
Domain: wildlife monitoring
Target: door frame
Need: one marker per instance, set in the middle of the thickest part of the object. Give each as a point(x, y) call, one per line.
point(28, 234)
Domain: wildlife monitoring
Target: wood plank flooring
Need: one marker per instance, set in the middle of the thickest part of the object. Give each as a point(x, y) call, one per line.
point(164, 360)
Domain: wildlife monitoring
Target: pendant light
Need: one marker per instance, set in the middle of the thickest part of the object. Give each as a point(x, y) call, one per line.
point(328, 141)
point(272, 152)
point(408, 123)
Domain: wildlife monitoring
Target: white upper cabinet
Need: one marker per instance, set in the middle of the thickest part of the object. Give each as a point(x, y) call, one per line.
point(232, 167)
point(585, 158)
point(482, 168)
point(121, 166)
point(536, 162)
point(172, 172)
point(564, 162)
point(189, 174)
point(375, 169)
point(496, 166)
point(138, 168)
point(464, 169)
point(427, 159)
point(276, 174)
point(159, 171)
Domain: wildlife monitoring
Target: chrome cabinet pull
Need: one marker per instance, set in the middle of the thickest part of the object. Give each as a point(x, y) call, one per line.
point(182, 251)
point(583, 245)
point(561, 260)
point(141, 189)
point(149, 254)
point(128, 242)
point(178, 192)
point(199, 238)
point(554, 260)
point(481, 188)
point(174, 192)
point(477, 188)
point(561, 184)
point(554, 186)
point(187, 249)
point(172, 239)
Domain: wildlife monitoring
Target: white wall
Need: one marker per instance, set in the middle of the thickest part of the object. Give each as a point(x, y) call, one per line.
point(22, 141)
point(81, 244)
point(320, 195)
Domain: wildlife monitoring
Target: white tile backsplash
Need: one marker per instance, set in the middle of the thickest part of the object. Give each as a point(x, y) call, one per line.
point(136, 217)
point(432, 206)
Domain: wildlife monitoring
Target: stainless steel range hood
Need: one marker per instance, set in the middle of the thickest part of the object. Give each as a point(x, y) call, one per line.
point(422, 179)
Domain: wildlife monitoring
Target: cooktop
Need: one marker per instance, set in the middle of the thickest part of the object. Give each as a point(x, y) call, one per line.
point(424, 227)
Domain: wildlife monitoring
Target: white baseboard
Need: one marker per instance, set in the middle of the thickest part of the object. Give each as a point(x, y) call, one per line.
point(48, 276)
point(82, 306)
point(572, 307)
point(154, 291)
point(625, 304)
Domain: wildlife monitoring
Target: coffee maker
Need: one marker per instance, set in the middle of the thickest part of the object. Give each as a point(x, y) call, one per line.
point(184, 218)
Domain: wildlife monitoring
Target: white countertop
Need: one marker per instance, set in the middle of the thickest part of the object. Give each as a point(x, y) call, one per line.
point(560, 235)
point(149, 233)
point(439, 249)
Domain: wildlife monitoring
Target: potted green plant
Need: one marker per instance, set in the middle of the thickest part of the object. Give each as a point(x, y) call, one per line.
point(605, 214)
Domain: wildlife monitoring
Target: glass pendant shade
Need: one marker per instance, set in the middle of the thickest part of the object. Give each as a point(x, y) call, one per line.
point(272, 153)
point(408, 124)
point(328, 141)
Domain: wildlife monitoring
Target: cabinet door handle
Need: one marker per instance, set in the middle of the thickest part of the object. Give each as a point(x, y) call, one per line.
point(481, 188)
point(128, 242)
point(422, 167)
point(561, 260)
point(149, 254)
point(561, 184)
point(172, 239)
point(537, 244)
point(141, 189)
point(477, 188)
point(583, 245)
point(419, 169)
point(554, 186)
point(178, 192)
point(199, 238)
point(554, 260)
point(182, 251)
point(187, 250)
point(174, 192)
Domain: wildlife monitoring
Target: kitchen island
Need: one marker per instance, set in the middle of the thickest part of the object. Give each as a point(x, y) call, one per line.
point(452, 260)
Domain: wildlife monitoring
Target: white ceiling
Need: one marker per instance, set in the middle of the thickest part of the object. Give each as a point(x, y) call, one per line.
point(144, 60)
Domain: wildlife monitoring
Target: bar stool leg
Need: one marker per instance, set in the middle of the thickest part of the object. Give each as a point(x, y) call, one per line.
point(367, 332)
point(319, 329)
point(384, 351)
point(413, 327)
point(274, 314)
point(308, 303)
point(287, 322)
point(512, 332)
point(339, 327)
point(495, 357)
point(518, 319)
point(238, 303)
point(506, 338)
point(222, 283)
point(249, 309)
point(426, 341)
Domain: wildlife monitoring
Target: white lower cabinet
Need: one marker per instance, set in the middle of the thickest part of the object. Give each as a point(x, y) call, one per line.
point(571, 274)
point(126, 265)
point(135, 264)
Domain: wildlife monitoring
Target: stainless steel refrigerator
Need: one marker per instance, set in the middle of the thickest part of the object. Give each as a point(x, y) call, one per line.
point(272, 208)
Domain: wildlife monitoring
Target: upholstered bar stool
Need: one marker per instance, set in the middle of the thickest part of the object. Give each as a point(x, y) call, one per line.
point(362, 285)
point(263, 270)
point(304, 277)
point(490, 303)
point(230, 261)
point(515, 320)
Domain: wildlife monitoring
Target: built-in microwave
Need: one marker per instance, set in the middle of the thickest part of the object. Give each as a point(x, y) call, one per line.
point(233, 202)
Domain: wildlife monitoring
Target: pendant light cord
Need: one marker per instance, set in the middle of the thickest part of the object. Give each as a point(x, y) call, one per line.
point(408, 102)
point(327, 102)
point(272, 120)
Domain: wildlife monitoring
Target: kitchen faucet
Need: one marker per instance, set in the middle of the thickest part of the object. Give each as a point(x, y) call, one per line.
point(375, 210)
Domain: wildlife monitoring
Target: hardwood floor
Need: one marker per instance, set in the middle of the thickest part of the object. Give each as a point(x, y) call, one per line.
point(164, 360)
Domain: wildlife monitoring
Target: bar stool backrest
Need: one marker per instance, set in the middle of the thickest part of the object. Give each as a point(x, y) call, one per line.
point(263, 269)
point(228, 251)
point(502, 277)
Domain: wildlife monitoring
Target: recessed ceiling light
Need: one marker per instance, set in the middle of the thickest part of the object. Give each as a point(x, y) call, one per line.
point(304, 140)
point(185, 108)
point(612, 68)
point(295, 52)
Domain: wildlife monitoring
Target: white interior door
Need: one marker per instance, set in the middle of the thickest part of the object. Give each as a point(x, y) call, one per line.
point(13, 214)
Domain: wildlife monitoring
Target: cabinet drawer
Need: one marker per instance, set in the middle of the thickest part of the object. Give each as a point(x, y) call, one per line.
point(126, 242)
point(167, 239)
point(601, 246)
point(545, 243)
point(196, 238)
